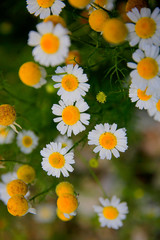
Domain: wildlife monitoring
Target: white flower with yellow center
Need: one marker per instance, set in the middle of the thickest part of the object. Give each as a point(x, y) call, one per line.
point(145, 29)
point(141, 98)
point(108, 139)
point(155, 111)
point(146, 69)
point(65, 141)
point(6, 135)
point(56, 160)
point(27, 141)
point(71, 81)
point(106, 4)
point(44, 8)
point(112, 212)
point(71, 117)
point(45, 213)
point(51, 43)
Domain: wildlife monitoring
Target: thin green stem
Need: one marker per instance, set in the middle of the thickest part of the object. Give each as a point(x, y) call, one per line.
point(76, 144)
point(43, 192)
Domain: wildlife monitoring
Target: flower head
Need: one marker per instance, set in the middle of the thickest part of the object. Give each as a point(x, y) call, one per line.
point(154, 111)
point(6, 135)
point(56, 160)
point(64, 187)
point(45, 213)
point(17, 186)
point(71, 117)
point(79, 3)
point(27, 141)
point(51, 43)
point(67, 203)
point(26, 173)
point(32, 75)
point(109, 140)
point(97, 19)
point(93, 162)
point(64, 140)
point(135, 4)
point(112, 212)
point(71, 81)
point(145, 27)
point(101, 97)
point(45, 8)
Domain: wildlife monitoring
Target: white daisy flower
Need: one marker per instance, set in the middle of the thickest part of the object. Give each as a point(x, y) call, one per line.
point(51, 43)
point(71, 81)
point(65, 141)
point(71, 117)
point(106, 4)
point(45, 8)
point(56, 160)
point(108, 140)
point(146, 69)
point(112, 212)
point(27, 141)
point(6, 135)
point(146, 27)
point(155, 111)
point(140, 97)
point(45, 213)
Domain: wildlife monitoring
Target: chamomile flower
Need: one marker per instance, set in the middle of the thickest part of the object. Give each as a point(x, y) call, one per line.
point(64, 140)
point(18, 205)
point(45, 8)
point(97, 19)
point(155, 111)
point(67, 203)
point(109, 140)
point(56, 160)
point(112, 212)
point(80, 4)
point(32, 75)
point(71, 81)
point(71, 117)
point(27, 141)
point(51, 43)
point(145, 28)
point(45, 213)
point(26, 173)
point(141, 98)
point(6, 135)
point(107, 4)
point(146, 69)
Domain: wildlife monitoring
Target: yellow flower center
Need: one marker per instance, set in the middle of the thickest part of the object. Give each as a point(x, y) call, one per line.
point(69, 82)
point(29, 73)
point(101, 2)
point(62, 217)
point(67, 203)
point(49, 43)
point(70, 115)
point(101, 97)
point(147, 68)
point(64, 145)
point(7, 115)
point(27, 141)
point(45, 3)
point(26, 173)
point(145, 27)
point(55, 20)
point(17, 186)
point(79, 3)
point(17, 205)
point(158, 105)
point(4, 132)
point(56, 160)
point(97, 19)
point(73, 58)
point(142, 95)
point(110, 212)
point(64, 187)
point(108, 140)
point(114, 31)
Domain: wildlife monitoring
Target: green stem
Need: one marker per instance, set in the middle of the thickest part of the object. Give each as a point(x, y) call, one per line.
point(76, 144)
point(41, 193)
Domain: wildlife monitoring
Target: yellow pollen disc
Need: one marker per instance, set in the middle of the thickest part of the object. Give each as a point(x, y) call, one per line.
point(79, 3)
point(142, 95)
point(158, 105)
point(108, 140)
point(7, 115)
point(70, 115)
point(17, 186)
point(114, 31)
point(45, 3)
point(67, 203)
point(55, 20)
point(101, 2)
point(110, 212)
point(64, 145)
point(145, 27)
point(97, 19)
point(64, 187)
point(73, 58)
point(4, 132)
point(69, 82)
point(26, 173)
point(27, 141)
point(49, 43)
point(147, 68)
point(17, 205)
point(29, 73)
point(62, 217)
point(56, 160)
